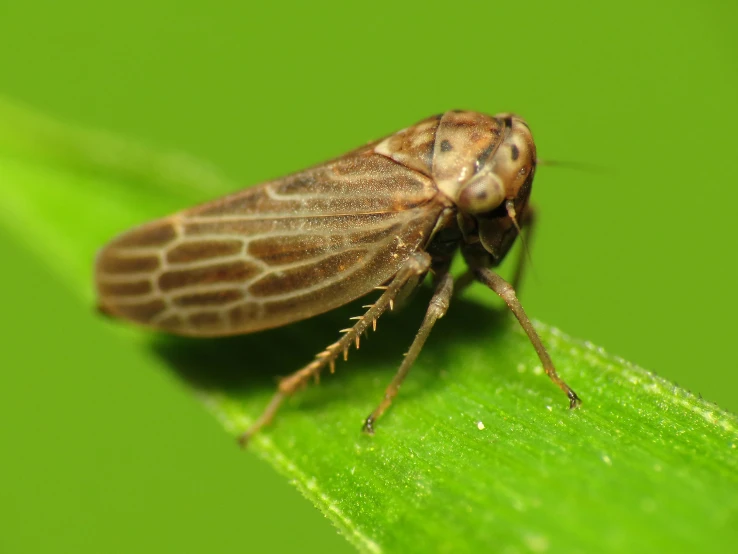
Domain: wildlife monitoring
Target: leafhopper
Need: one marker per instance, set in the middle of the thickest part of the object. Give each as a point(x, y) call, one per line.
point(380, 217)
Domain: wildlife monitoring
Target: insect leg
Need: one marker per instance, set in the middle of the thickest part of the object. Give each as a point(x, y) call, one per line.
point(415, 266)
point(436, 310)
point(507, 293)
point(527, 225)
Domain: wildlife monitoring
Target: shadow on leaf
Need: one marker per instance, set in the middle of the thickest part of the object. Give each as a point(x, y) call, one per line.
point(256, 361)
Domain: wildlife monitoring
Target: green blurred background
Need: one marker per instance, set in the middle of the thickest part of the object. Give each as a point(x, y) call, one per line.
point(638, 257)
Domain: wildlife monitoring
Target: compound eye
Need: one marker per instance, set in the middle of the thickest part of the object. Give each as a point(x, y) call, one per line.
point(481, 194)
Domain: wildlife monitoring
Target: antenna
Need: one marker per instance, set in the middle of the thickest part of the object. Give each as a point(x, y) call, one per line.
point(581, 166)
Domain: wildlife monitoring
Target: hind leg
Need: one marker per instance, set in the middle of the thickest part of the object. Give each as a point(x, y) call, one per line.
point(417, 265)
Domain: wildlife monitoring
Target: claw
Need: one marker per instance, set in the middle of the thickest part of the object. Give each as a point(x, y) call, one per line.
point(574, 400)
point(243, 439)
point(368, 426)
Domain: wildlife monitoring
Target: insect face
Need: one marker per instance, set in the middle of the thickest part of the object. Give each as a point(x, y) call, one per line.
point(485, 165)
point(502, 174)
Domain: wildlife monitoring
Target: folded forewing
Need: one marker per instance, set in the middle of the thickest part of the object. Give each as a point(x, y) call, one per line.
point(276, 253)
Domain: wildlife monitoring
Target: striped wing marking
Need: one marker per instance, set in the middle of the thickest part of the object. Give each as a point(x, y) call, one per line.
point(273, 254)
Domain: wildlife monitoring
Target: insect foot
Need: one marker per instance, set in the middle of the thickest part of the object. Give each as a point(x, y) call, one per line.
point(368, 426)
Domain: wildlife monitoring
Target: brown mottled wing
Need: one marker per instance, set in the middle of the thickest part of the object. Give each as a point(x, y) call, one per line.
point(273, 254)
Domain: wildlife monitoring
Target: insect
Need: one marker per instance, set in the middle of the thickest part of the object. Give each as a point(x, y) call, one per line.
point(380, 217)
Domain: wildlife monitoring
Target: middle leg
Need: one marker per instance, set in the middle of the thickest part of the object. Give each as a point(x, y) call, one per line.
point(416, 266)
point(436, 309)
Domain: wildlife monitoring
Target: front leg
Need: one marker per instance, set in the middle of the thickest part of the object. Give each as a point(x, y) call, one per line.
point(527, 224)
point(507, 293)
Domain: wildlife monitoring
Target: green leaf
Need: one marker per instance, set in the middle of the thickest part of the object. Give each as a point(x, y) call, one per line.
point(478, 453)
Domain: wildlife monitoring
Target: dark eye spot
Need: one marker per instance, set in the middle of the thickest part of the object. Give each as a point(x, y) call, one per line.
point(481, 194)
point(446, 146)
point(515, 151)
point(482, 159)
point(522, 171)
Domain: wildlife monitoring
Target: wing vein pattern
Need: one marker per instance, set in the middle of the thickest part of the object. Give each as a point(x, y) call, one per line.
point(269, 255)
